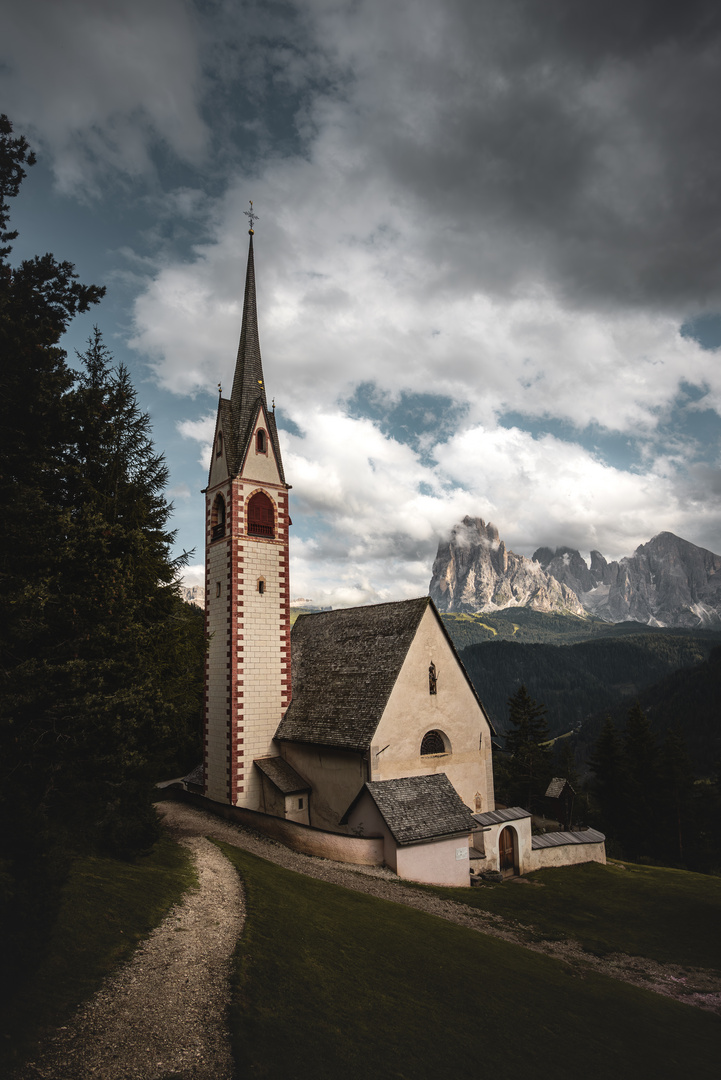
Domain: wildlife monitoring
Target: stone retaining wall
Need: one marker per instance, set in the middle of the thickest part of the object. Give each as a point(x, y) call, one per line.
point(357, 850)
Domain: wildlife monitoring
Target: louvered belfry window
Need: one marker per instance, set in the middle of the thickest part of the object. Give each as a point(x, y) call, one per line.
point(261, 520)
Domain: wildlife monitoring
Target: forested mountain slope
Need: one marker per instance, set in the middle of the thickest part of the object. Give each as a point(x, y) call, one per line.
point(579, 681)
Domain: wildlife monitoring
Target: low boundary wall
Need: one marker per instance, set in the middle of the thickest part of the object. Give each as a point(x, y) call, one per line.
point(357, 850)
point(565, 855)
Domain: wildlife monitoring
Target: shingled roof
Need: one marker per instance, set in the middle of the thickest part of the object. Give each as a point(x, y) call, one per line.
point(418, 808)
point(282, 775)
point(344, 665)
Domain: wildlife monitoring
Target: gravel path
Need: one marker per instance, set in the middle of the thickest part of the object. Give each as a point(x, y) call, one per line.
point(695, 986)
point(162, 1013)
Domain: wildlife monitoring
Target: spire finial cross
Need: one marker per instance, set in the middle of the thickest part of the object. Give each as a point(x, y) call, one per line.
point(251, 216)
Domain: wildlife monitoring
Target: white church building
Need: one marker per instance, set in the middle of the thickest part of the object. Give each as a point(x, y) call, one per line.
point(360, 735)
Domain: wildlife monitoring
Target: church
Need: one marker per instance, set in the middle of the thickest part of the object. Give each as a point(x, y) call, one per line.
point(362, 723)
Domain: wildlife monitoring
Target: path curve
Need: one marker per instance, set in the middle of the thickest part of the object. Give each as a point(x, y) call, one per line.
point(164, 1011)
point(694, 986)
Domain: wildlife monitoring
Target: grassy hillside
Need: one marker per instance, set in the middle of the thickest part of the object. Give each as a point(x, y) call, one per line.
point(107, 907)
point(330, 983)
point(526, 626)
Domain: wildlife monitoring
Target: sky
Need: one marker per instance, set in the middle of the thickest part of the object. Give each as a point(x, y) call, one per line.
point(487, 256)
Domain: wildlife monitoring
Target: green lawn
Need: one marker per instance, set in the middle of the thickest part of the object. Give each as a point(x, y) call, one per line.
point(107, 907)
point(330, 983)
point(668, 915)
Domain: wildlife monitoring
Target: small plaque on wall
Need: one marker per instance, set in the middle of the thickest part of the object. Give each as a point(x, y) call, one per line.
point(461, 853)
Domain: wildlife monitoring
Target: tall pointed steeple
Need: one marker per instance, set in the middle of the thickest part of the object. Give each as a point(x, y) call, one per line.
point(248, 393)
point(247, 584)
point(248, 384)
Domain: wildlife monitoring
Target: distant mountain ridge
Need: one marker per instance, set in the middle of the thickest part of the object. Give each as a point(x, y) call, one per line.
point(666, 582)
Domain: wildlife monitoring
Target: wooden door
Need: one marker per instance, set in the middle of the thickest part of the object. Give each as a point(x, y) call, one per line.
point(506, 849)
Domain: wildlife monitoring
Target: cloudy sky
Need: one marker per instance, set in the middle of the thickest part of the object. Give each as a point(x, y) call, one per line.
point(487, 255)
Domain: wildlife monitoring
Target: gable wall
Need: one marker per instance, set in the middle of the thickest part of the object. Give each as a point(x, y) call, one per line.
point(260, 467)
point(412, 711)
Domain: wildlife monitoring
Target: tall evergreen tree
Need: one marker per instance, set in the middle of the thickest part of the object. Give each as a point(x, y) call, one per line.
point(529, 765)
point(100, 661)
point(675, 797)
point(641, 757)
point(610, 782)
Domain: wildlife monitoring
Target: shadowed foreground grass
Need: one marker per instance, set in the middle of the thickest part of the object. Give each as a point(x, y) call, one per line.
point(335, 984)
point(107, 907)
point(672, 916)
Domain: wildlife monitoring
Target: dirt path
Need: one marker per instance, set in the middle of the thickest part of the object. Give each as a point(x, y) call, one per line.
point(162, 1013)
point(695, 986)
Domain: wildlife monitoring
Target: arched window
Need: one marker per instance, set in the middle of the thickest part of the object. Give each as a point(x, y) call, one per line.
point(261, 519)
point(217, 518)
point(261, 585)
point(261, 441)
point(433, 743)
point(219, 445)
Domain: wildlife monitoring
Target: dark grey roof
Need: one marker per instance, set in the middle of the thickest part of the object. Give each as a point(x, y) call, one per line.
point(248, 393)
point(225, 422)
point(282, 775)
point(495, 817)
point(555, 788)
point(418, 808)
point(344, 665)
point(195, 776)
point(558, 839)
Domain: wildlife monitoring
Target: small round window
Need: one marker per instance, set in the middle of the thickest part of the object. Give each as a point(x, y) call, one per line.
point(433, 743)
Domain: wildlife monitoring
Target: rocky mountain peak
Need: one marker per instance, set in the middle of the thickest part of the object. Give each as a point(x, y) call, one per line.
point(474, 571)
point(666, 582)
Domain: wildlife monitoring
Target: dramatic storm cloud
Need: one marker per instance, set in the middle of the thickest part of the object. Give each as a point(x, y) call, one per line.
point(487, 255)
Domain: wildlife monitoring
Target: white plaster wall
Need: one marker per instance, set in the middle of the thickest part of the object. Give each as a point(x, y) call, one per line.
point(566, 855)
point(454, 710)
point(491, 835)
point(366, 820)
point(436, 863)
point(293, 812)
point(271, 800)
point(335, 776)
point(260, 467)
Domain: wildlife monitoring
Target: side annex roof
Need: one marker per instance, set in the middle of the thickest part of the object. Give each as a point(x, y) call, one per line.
point(417, 809)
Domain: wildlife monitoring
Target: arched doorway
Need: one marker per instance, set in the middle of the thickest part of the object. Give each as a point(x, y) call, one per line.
point(507, 852)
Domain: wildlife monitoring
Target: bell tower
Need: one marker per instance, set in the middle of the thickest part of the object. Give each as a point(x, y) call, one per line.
point(247, 588)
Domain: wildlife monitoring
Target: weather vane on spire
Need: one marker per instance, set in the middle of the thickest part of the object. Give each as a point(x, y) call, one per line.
point(251, 216)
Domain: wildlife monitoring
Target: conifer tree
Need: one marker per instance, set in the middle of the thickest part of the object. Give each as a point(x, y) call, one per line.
point(100, 661)
point(527, 736)
point(610, 784)
point(643, 794)
point(675, 797)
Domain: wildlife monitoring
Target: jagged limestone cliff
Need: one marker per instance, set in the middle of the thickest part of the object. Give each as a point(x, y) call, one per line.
point(474, 571)
point(666, 582)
